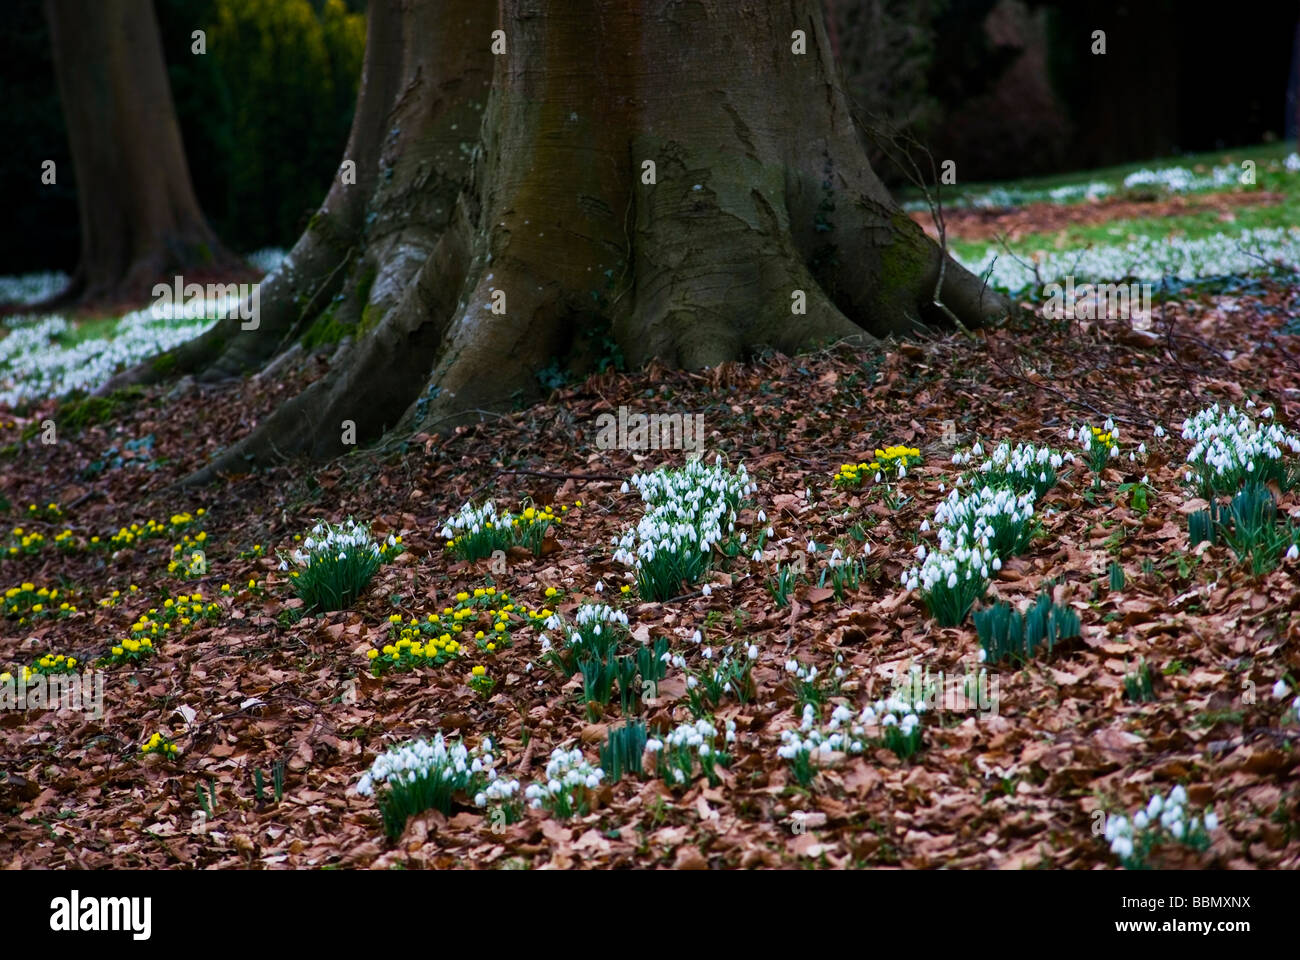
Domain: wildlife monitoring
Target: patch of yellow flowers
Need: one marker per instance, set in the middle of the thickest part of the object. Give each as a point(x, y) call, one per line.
point(50, 664)
point(26, 600)
point(160, 745)
point(182, 612)
point(894, 459)
point(129, 536)
point(114, 598)
point(483, 616)
point(188, 557)
point(131, 650)
point(480, 682)
point(24, 541)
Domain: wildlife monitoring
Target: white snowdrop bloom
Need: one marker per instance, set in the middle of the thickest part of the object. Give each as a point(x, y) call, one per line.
point(762, 517)
point(752, 652)
point(624, 488)
point(1211, 821)
point(600, 586)
point(1293, 552)
point(812, 547)
point(1159, 431)
point(1155, 805)
point(1280, 690)
point(925, 526)
point(1140, 820)
point(1178, 795)
point(706, 590)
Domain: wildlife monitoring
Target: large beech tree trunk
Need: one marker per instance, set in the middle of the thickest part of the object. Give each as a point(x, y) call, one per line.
point(139, 218)
point(764, 226)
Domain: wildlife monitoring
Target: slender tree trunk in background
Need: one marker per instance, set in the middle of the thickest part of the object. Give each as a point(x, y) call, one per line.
point(139, 218)
point(764, 226)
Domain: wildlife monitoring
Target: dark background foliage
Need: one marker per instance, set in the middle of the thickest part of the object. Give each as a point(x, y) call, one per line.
point(264, 116)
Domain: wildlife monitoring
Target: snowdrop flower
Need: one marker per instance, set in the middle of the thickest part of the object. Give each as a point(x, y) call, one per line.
point(1280, 690)
point(1211, 821)
point(1293, 552)
point(812, 547)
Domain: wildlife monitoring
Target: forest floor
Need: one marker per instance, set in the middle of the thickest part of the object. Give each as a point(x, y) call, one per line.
point(276, 715)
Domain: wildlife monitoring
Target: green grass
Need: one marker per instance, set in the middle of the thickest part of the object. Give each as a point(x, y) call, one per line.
point(1114, 176)
point(1192, 225)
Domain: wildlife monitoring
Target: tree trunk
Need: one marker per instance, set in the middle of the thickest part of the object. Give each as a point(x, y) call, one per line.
point(764, 228)
point(419, 108)
point(139, 218)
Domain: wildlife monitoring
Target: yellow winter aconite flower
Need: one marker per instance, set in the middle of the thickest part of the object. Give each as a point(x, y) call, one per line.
point(479, 671)
point(50, 664)
point(893, 460)
point(435, 638)
point(160, 745)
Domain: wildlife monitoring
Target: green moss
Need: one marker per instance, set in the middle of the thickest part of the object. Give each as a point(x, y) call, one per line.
point(87, 411)
point(370, 317)
point(325, 331)
point(365, 282)
point(164, 363)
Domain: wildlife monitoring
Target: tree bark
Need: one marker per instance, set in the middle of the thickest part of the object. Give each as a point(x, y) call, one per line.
point(414, 131)
point(139, 217)
point(762, 201)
